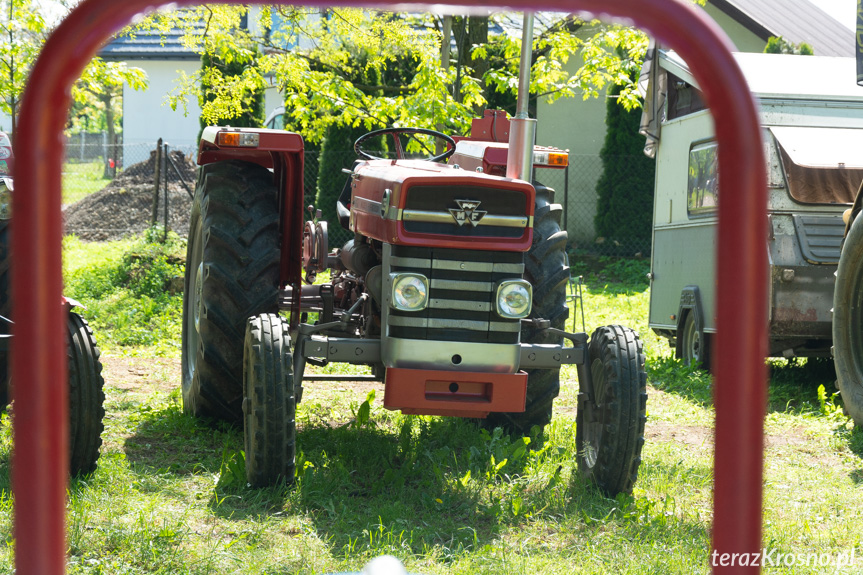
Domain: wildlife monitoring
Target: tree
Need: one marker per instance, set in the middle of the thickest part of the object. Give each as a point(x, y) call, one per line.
point(624, 213)
point(99, 89)
point(23, 30)
point(779, 45)
point(318, 59)
point(215, 77)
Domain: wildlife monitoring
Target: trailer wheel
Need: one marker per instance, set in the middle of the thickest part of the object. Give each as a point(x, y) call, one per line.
point(848, 322)
point(86, 396)
point(547, 271)
point(269, 403)
point(612, 411)
point(695, 344)
point(232, 273)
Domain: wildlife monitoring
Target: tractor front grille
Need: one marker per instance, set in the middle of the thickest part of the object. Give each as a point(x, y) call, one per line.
point(462, 286)
point(499, 213)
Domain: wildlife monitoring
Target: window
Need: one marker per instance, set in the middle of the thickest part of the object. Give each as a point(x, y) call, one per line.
point(277, 122)
point(703, 188)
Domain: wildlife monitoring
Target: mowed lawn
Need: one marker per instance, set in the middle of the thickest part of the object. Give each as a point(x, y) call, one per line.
point(169, 495)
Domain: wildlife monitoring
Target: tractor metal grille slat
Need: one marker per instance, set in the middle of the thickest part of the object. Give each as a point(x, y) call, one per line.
point(462, 287)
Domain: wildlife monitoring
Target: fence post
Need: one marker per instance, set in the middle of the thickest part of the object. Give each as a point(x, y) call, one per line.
point(81, 147)
point(157, 164)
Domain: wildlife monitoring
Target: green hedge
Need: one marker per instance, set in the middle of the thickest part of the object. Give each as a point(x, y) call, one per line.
point(624, 212)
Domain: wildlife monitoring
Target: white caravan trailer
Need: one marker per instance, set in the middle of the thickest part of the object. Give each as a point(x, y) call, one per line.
point(812, 113)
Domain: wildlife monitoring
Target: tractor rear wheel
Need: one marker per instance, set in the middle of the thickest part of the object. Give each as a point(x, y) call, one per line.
point(269, 404)
point(848, 322)
point(609, 432)
point(86, 396)
point(232, 273)
point(547, 271)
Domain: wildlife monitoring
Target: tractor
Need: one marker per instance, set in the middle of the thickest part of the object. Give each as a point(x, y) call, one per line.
point(86, 396)
point(452, 288)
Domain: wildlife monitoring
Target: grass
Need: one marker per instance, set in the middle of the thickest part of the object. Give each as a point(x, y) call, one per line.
point(443, 496)
point(82, 179)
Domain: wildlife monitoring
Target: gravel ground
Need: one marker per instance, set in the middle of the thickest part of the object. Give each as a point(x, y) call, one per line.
point(125, 206)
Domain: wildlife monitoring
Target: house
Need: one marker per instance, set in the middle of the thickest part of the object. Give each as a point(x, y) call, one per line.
point(579, 125)
point(146, 114)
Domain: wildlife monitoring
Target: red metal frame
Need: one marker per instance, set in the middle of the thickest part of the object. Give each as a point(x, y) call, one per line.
point(39, 472)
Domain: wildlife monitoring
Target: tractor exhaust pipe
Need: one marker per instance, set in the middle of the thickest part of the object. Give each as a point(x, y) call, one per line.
point(522, 129)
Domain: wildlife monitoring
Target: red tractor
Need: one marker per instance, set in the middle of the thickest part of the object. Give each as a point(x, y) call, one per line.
point(86, 396)
point(453, 289)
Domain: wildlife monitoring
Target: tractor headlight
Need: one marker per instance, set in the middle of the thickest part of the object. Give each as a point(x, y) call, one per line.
point(410, 292)
point(514, 298)
point(5, 198)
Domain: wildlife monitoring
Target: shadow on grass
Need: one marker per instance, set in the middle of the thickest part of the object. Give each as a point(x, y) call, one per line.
point(609, 274)
point(793, 384)
point(415, 485)
point(167, 440)
point(400, 483)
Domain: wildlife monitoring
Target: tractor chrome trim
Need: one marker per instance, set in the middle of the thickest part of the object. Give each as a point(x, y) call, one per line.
point(439, 355)
point(447, 218)
point(367, 206)
point(457, 265)
point(438, 303)
point(440, 323)
point(403, 262)
point(461, 285)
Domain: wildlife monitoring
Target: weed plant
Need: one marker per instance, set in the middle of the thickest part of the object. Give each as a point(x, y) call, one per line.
point(131, 290)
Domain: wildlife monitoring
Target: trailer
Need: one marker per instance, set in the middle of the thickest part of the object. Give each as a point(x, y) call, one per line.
point(812, 128)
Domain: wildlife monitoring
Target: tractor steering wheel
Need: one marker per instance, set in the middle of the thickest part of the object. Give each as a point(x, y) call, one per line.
point(400, 151)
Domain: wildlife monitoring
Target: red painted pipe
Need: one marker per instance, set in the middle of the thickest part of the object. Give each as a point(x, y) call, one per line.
point(39, 473)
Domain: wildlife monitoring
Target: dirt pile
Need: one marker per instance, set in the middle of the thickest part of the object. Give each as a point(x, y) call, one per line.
point(125, 206)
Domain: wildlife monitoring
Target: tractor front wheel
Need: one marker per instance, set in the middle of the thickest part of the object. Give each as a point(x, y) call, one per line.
point(848, 322)
point(232, 273)
point(269, 405)
point(86, 396)
point(612, 410)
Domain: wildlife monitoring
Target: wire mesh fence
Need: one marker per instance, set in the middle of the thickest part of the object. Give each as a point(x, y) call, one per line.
point(118, 201)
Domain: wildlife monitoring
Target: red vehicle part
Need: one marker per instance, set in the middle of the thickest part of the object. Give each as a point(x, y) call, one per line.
point(41, 426)
point(283, 152)
point(398, 180)
point(462, 394)
point(487, 148)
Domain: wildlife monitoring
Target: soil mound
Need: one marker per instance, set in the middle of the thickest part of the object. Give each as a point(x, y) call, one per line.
point(125, 206)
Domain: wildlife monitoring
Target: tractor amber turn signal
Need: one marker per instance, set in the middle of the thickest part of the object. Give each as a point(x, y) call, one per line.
point(557, 158)
point(237, 139)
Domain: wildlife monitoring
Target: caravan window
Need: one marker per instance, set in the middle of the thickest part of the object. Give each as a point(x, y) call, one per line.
point(822, 165)
point(703, 189)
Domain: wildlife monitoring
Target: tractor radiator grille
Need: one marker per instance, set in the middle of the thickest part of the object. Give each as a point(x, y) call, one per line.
point(462, 288)
point(499, 213)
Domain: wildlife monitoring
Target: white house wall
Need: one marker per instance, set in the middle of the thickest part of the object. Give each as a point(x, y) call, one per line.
point(576, 125)
point(744, 39)
point(146, 116)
